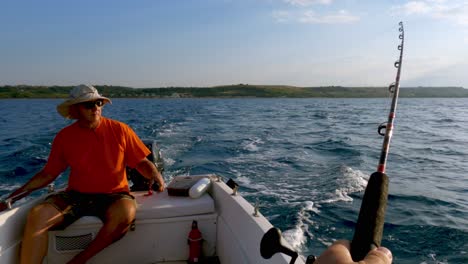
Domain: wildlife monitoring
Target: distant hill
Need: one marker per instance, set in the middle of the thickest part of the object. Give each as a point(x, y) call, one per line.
point(234, 91)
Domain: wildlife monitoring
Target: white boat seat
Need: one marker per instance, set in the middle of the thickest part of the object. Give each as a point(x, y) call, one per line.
point(159, 206)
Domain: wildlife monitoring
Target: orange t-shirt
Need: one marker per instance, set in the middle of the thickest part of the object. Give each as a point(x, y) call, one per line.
point(98, 157)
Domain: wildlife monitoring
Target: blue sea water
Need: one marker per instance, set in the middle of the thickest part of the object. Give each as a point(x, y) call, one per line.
point(307, 161)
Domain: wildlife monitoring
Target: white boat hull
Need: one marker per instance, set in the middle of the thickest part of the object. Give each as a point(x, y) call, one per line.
point(229, 229)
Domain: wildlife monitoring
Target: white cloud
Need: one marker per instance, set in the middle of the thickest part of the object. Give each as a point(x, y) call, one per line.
point(300, 13)
point(311, 17)
point(453, 11)
point(281, 16)
point(308, 2)
point(340, 17)
point(415, 7)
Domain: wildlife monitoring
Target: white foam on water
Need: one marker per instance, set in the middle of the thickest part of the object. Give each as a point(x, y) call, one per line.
point(325, 242)
point(434, 259)
point(9, 187)
point(167, 130)
point(168, 161)
point(340, 195)
point(310, 206)
point(252, 144)
point(355, 180)
point(351, 181)
point(178, 172)
point(297, 236)
point(245, 181)
point(272, 217)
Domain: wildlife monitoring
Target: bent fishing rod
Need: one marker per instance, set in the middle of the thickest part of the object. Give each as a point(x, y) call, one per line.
point(369, 227)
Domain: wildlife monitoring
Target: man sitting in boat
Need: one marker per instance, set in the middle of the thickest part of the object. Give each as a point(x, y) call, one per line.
point(97, 150)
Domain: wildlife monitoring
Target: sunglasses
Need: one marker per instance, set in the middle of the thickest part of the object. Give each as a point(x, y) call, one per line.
point(91, 104)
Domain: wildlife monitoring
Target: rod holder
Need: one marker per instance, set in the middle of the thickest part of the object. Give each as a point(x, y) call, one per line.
point(256, 208)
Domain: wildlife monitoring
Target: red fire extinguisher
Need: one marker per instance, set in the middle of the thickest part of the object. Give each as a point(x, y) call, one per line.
point(195, 243)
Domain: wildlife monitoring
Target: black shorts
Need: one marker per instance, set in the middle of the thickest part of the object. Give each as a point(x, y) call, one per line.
point(74, 205)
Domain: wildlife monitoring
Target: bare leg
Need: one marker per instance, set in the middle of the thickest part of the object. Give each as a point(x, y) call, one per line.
point(118, 219)
point(40, 219)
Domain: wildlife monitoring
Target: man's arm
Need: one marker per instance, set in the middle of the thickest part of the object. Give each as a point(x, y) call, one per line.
point(149, 171)
point(38, 181)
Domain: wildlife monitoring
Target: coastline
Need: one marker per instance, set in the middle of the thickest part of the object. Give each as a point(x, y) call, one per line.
point(236, 91)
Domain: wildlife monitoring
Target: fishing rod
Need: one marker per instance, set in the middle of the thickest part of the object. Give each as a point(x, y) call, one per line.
point(369, 227)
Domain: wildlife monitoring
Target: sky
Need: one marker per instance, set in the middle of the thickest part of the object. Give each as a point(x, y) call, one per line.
point(205, 43)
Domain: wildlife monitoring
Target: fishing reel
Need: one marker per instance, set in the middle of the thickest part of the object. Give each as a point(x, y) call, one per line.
point(272, 243)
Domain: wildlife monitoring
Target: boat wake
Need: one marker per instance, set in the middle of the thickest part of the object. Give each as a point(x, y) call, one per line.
point(307, 224)
point(352, 181)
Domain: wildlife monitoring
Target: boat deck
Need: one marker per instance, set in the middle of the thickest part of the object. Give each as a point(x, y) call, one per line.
point(230, 229)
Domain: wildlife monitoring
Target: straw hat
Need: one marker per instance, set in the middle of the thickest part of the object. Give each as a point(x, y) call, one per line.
point(79, 94)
